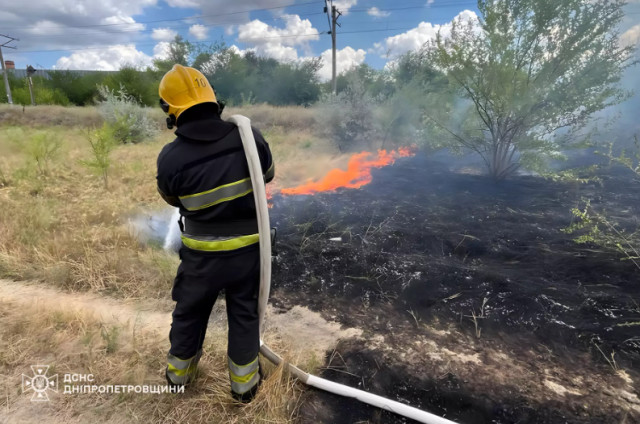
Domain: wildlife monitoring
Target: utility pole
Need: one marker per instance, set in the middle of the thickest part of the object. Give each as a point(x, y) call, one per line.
point(30, 71)
point(335, 14)
point(4, 68)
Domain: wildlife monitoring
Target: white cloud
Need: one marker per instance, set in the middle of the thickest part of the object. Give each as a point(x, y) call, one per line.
point(163, 34)
point(344, 5)
point(278, 43)
point(110, 58)
point(161, 50)
point(346, 59)
point(631, 37)
point(295, 32)
point(377, 13)
point(430, 2)
point(38, 22)
point(200, 32)
point(131, 24)
point(415, 38)
point(183, 3)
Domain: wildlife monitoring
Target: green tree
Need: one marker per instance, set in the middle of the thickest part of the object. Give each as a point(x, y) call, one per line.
point(141, 85)
point(180, 51)
point(291, 84)
point(534, 71)
point(81, 90)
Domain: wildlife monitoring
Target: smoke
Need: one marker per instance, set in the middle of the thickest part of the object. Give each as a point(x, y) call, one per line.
point(172, 241)
point(153, 228)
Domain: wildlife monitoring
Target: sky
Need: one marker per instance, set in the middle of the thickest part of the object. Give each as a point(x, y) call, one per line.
point(107, 34)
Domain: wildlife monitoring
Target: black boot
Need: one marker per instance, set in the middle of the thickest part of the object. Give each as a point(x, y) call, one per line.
point(247, 396)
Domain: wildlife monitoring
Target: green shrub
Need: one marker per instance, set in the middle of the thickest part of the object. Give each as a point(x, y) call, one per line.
point(102, 142)
point(595, 227)
point(3, 180)
point(349, 117)
point(43, 147)
point(130, 122)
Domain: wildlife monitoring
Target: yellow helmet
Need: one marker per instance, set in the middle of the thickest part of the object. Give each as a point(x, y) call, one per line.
point(183, 87)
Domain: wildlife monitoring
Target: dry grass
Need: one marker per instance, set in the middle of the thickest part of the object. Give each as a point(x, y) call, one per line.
point(64, 228)
point(45, 116)
point(60, 227)
point(290, 118)
point(76, 343)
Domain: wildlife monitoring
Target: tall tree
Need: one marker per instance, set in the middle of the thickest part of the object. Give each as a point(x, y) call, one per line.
point(534, 71)
point(179, 52)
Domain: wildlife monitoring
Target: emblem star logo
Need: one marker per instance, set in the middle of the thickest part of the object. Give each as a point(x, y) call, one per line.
point(40, 383)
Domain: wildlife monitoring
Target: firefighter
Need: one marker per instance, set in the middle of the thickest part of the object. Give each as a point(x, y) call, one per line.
point(204, 173)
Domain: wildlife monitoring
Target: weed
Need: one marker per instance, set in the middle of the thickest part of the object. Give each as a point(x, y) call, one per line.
point(596, 228)
point(476, 317)
point(415, 317)
point(611, 359)
point(110, 337)
point(43, 147)
point(102, 142)
point(3, 180)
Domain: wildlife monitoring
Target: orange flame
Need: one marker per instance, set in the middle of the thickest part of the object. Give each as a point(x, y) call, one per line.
point(358, 172)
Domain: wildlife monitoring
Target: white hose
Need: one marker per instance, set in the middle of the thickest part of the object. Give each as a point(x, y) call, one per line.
point(262, 210)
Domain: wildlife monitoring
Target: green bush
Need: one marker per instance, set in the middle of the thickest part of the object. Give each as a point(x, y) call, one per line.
point(43, 147)
point(596, 227)
point(81, 90)
point(102, 142)
point(349, 117)
point(141, 85)
point(130, 122)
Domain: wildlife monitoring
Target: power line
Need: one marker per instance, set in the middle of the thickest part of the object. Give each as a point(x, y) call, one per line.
point(431, 6)
point(100, 47)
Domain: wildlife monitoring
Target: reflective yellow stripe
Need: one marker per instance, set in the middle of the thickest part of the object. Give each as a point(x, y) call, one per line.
point(241, 370)
point(223, 193)
point(175, 371)
point(270, 172)
point(219, 245)
point(181, 370)
point(244, 377)
point(242, 388)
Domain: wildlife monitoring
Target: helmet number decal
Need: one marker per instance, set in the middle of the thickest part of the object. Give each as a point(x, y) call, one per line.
point(200, 82)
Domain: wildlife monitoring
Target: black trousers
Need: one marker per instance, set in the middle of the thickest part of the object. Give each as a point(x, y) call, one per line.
point(200, 278)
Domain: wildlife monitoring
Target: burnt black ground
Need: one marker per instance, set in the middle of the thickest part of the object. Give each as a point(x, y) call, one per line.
point(423, 240)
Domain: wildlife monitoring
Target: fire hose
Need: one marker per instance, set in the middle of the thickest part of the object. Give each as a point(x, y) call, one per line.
point(264, 229)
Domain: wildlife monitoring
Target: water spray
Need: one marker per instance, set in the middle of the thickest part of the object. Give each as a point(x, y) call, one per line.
point(264, 229)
